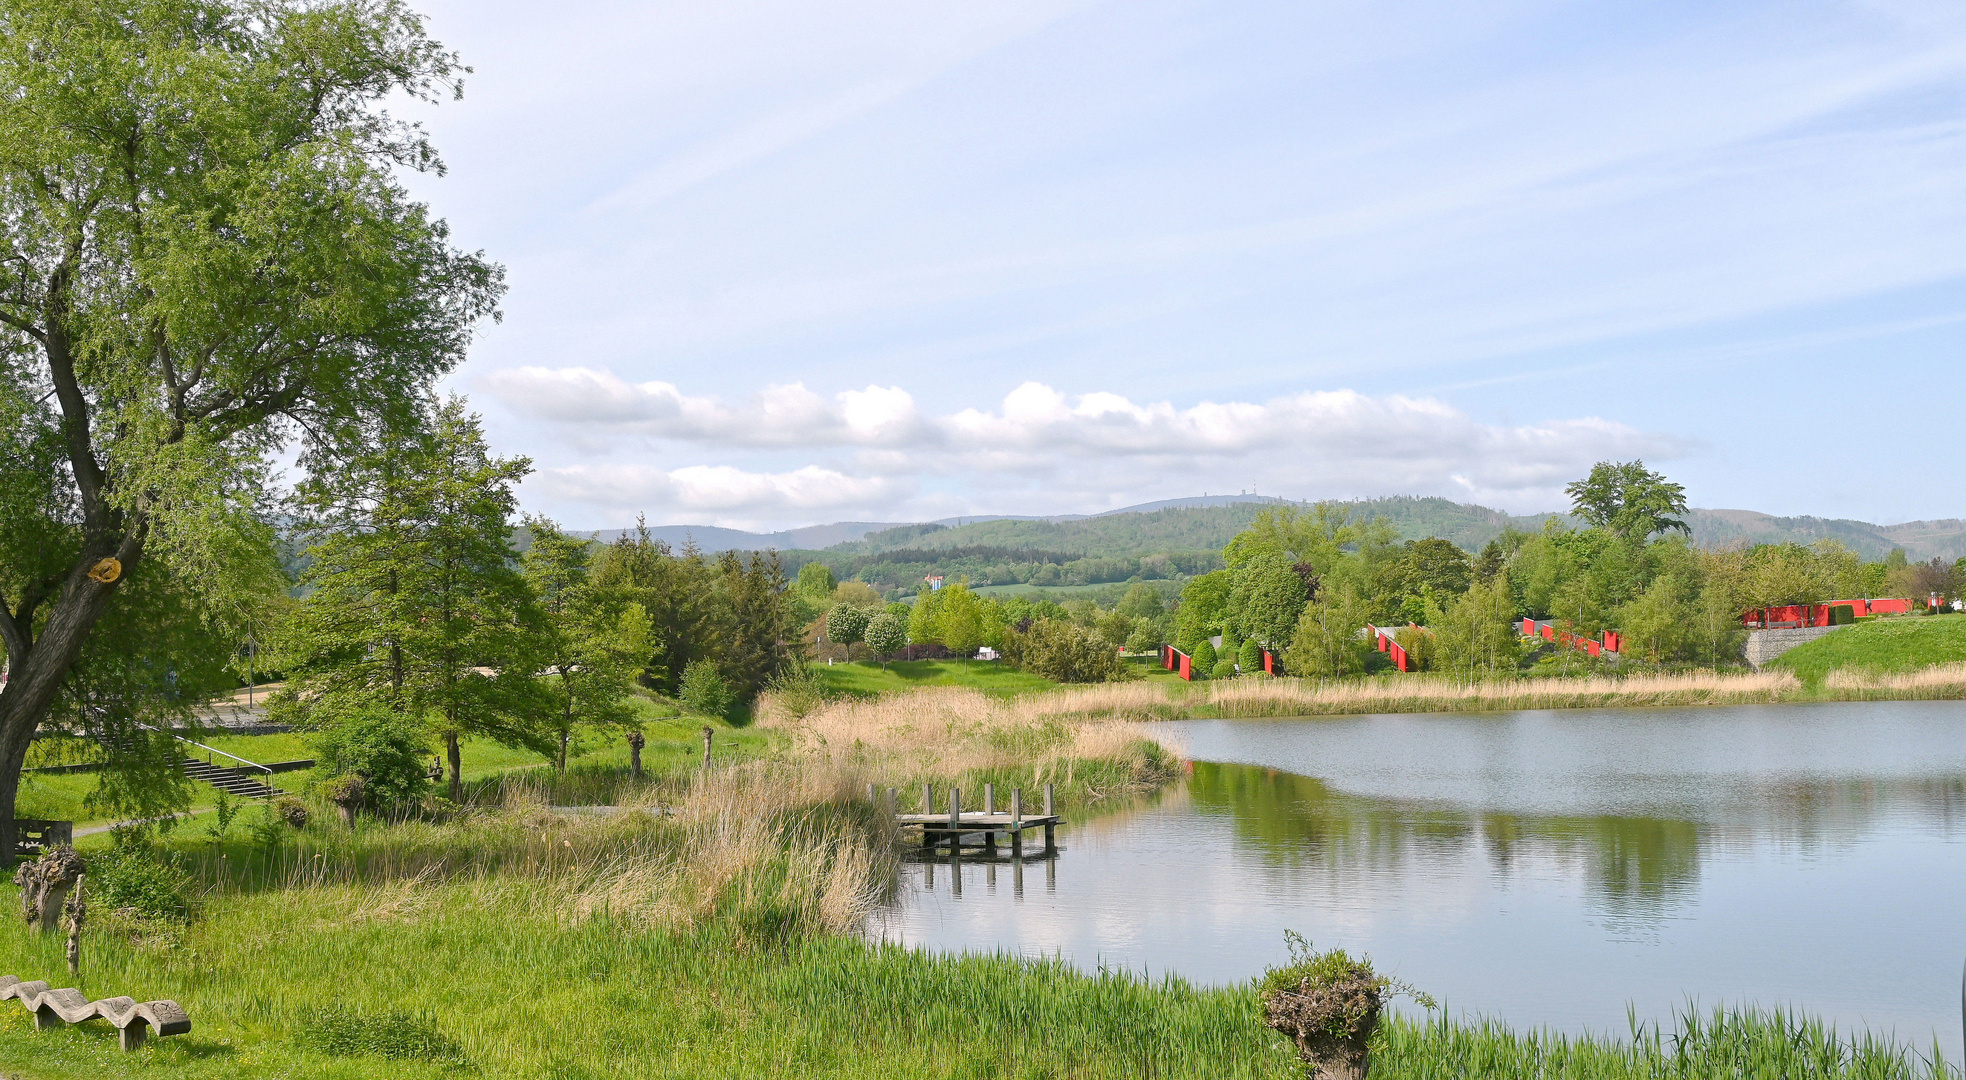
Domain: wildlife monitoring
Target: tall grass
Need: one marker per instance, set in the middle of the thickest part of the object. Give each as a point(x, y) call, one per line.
point(1081, 740)
point(1937, 682)
point(1726, 1044)
point(1436, 693)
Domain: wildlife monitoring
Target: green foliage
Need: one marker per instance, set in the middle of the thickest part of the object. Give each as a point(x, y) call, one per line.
point(1327, 643)
point(1334, 967)
point(339, 1031)
point(846, 623)
point(1250, 657)
point(1223, 669)
point(1628, 500)
point(416, 604)
point(706, 691)
point(1144, 636)
point(1477, 635)
point(386, 749)
point(816, 582)
point(207, 251)
point(1204, 657)
point(1266, 599)
point(588, 642)
point(1064, 652)
point(131, 876)
point(1204, 604)
point(887, 634)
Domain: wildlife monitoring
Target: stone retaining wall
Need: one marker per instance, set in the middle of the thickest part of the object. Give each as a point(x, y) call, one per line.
point(1765, 645)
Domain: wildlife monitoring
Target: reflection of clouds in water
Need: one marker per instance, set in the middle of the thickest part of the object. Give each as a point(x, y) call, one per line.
point(1554, 906)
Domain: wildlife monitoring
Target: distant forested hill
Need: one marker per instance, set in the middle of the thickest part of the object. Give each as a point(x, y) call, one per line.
point(1187, 529)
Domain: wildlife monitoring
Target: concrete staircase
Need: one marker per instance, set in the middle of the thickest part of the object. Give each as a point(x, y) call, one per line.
point(240, 781)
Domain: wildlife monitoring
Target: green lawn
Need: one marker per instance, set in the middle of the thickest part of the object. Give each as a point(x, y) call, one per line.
point(673, 742)
point(1888, 644)
point(866, 678)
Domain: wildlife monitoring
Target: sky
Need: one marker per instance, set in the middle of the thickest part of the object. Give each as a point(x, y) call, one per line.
point(781, 264)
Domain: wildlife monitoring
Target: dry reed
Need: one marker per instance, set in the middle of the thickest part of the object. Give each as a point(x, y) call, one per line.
point(1429, 693)
point(1939, 681)
point(946, 732)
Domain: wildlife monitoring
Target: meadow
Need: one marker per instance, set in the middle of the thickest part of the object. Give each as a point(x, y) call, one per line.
point(714, 925)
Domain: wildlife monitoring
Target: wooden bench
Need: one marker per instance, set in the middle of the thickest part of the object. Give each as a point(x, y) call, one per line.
point(133, 1020)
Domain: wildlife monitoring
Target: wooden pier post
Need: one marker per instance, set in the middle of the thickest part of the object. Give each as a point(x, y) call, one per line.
point(955, 820)
point(1017, 877)
point(873, 793)
point(928, 807)
point(989, 810)
point(1017, 831)
point(1050, 827)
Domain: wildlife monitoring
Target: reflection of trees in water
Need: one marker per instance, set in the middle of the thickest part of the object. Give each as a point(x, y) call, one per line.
point(1633, 865)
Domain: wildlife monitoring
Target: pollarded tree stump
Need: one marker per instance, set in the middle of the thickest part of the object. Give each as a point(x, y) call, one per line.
point(44, 884)
point(1331, 1021)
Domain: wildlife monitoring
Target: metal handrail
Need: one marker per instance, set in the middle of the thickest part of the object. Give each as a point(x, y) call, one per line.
point(212, 749)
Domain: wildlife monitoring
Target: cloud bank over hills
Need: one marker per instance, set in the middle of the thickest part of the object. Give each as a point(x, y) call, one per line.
point(875, 452)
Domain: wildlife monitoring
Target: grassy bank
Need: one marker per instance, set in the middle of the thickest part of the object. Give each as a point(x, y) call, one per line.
point(474, 978)
point(1879, 646)
point(865, 679)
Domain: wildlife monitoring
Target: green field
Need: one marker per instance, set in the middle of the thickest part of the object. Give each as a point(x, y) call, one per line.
point(867, 678)
point(672, 742)
point(1880, 645)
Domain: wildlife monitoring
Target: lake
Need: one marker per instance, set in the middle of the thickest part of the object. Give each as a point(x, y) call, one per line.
point(1547, 868)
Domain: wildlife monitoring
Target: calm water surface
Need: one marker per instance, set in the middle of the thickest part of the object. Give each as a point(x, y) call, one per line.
point(1545, 867)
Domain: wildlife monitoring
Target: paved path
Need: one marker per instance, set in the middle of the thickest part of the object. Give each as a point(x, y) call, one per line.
point(94, 829)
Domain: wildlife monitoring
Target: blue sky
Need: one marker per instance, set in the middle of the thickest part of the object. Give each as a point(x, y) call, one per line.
point(781, 264)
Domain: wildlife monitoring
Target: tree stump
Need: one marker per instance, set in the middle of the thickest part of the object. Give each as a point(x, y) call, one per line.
point(706, 745)
point(346, 793)
point(635, 743)
point(44, 884)
point(1330, 1020)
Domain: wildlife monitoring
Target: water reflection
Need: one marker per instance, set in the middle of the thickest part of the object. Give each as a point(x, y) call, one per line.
point(1549, 868)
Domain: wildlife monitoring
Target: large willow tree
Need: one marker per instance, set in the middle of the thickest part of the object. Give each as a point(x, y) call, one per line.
point(205, 255)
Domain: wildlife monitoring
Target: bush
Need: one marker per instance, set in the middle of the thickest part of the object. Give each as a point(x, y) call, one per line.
point(1146, 636)
point(385, 749)
point(1205, 658)
point(394, 1036)
point(1251, 657)
point(1223, 669)
point(131, 878)
point(706, 691)
point(1064, 651)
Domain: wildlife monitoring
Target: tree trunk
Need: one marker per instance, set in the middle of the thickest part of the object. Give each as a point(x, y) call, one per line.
point(457, 766)
point(34, 677)
point(560, 764)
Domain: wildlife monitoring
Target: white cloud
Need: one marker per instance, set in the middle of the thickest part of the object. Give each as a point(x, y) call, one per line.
point(718, 494)
point(1038, 450)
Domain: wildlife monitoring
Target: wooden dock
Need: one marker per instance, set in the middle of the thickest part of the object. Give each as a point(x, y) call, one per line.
point(957, 828)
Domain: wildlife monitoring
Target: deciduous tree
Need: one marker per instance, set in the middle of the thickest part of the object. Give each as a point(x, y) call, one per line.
point(204, 251)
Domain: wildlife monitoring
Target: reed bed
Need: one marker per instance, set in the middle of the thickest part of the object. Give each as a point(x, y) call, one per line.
point(1086, 740)
point(1429, 693)
point(779, 848)
point(1935, 683)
